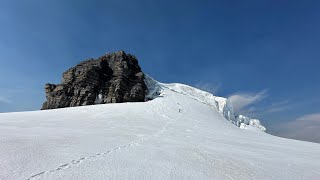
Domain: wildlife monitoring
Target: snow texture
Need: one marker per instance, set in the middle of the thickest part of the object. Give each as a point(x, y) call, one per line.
point(181, 134)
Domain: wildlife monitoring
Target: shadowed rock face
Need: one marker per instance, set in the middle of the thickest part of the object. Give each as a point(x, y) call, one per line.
point(112, 78)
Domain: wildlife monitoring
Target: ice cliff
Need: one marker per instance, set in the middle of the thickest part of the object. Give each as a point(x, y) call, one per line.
point(221, 104)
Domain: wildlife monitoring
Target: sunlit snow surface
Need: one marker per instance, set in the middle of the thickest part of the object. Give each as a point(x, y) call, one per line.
point(149, 140)
point(221, 104)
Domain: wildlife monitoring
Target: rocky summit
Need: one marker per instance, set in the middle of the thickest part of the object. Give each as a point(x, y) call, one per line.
point(112, 78)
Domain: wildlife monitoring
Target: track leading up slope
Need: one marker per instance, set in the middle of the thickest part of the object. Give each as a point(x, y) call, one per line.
point(174, 136)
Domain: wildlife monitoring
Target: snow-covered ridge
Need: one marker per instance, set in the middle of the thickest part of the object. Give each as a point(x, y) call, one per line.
point(221, 104)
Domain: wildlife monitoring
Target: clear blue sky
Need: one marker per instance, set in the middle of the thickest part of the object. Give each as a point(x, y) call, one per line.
point(264, 54)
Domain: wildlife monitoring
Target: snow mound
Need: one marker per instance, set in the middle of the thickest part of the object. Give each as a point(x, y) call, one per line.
point(221, 104)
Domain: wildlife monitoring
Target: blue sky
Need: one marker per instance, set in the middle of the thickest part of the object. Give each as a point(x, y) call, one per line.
point(263, 54)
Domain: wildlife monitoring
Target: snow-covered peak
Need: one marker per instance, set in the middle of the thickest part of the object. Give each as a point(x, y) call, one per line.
point(221, 104)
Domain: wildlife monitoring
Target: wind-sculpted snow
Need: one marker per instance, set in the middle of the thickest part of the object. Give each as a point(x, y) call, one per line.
point(221, 104)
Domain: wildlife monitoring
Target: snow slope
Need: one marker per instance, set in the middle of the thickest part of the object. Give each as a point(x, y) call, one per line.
point(149, 140)
point(221, 104)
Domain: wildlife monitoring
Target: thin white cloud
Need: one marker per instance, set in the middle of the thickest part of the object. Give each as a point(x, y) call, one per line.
point(208, 87)
point(278, 107)
point(4, 100)
point(242, 101)
point(310, 117)
point(306, 127)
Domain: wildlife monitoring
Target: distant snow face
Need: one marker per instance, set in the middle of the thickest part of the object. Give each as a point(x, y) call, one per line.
point(221, 104)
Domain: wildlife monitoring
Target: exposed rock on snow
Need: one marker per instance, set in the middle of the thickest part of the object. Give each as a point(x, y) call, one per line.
point(112, 78)
point(117, 77)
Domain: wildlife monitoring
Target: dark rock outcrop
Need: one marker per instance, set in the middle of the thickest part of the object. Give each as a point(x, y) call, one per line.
point(112, 78)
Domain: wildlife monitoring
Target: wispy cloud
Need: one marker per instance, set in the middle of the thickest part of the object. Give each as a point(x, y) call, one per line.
point(209, 87)
point(310, 118)
point(306, 127)
point(242, 101)
point(4, 100)
point(278, 106)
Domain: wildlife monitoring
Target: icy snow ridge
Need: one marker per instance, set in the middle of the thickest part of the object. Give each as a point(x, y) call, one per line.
point(221, 104)
point(243, 121)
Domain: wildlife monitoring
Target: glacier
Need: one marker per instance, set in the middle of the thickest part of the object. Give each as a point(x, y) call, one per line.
point(179, 133)
point(221, 104)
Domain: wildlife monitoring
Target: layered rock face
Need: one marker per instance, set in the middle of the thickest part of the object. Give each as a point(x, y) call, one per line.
point(112, 78)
